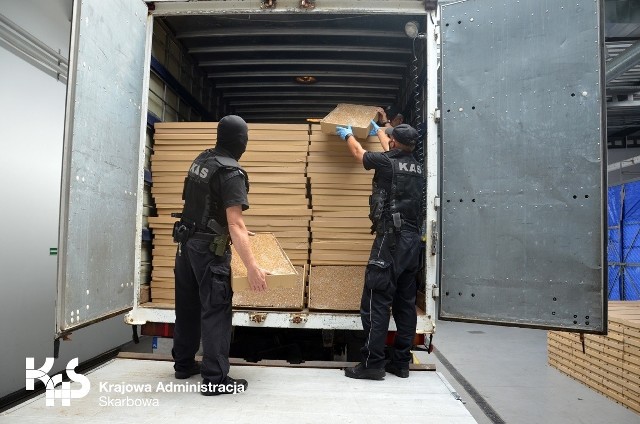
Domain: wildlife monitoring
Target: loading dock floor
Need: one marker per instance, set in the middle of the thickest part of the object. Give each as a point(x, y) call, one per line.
point(275, 395)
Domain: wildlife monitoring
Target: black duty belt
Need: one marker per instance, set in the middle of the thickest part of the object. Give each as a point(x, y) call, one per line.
point(203, 236)
point(388, 228)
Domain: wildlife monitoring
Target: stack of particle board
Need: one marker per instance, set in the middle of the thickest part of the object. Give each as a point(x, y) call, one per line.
point(275, 161)
point(610, 364)
point(340, 227)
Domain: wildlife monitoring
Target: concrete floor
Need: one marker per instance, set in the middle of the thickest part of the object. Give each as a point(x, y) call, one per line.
point(508, 368)
point(500, 373)
point(145, 392)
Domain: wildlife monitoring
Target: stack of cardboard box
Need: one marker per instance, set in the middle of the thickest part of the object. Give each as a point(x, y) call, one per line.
point(176, 144)
point(275, 161)
point(340, 227)
point(609, 364)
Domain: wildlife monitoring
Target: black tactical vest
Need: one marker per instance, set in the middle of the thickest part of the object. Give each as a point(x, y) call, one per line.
point(402, 194)
point(201, 195)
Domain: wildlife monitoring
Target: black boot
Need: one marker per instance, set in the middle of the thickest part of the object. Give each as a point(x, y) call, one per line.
point(361, 372)
point(195, 369)
point(229, 386)
point(396, 370)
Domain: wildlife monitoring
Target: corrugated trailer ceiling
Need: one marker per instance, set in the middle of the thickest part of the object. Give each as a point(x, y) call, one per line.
point(286, 68)
point(254, 59)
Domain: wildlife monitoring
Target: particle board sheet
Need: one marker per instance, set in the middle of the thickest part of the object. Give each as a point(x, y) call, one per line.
point(276, 160)
point(336, 288)
point(609, 364)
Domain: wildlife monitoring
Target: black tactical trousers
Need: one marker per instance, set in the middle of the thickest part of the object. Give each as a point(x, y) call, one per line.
point(390, 282)
point(203, 306)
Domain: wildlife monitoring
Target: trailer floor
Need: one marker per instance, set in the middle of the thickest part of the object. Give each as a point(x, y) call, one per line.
point(275, 395)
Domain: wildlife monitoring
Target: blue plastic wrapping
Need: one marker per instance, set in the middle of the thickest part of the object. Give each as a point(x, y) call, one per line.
point(624, 241)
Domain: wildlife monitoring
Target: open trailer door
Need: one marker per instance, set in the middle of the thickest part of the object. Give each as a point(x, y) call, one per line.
point(523, 161)
point(100, 216)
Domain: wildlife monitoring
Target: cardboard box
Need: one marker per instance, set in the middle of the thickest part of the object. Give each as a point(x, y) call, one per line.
point(357, 116)
point(145, 293)
point(287, 297)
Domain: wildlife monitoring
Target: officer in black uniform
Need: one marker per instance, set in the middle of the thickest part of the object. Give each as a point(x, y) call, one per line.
point(390, 276)
point(215, 194)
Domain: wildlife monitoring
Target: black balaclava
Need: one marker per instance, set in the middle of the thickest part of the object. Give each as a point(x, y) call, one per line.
point(232, 136)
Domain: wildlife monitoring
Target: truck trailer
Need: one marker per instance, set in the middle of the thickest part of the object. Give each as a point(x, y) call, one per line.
point(513, 150)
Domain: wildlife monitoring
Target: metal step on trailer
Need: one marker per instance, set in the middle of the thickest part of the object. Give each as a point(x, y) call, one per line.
point(141, 388)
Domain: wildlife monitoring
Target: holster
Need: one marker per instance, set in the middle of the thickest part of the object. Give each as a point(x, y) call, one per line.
point(376, 208)
point(182, 231)
point(219, 244)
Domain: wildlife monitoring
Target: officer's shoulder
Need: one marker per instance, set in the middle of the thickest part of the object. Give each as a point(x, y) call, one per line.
point(227, 162)
point(204, 155)
point(377, 154)
point(227, 173)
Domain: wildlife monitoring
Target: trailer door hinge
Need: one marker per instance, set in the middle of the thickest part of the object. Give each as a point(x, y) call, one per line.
point(436, 116)
point(436, 202)
point(434, 237)
point(435, 292)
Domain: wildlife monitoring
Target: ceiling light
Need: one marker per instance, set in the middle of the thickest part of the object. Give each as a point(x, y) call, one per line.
point(412, 31)
point(306, 79)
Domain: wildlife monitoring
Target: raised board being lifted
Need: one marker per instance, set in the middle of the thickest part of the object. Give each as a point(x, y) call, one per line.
point(358, 117)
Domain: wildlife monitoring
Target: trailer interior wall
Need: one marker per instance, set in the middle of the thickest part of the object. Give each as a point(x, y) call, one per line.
point(32, 113)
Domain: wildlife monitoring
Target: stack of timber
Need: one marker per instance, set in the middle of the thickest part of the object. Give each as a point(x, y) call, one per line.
point(340, 227)
point(609, 364)
point(275, 161)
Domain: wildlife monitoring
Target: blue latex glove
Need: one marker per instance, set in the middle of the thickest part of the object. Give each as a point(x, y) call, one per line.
point(343, 132)
point(374, 128)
